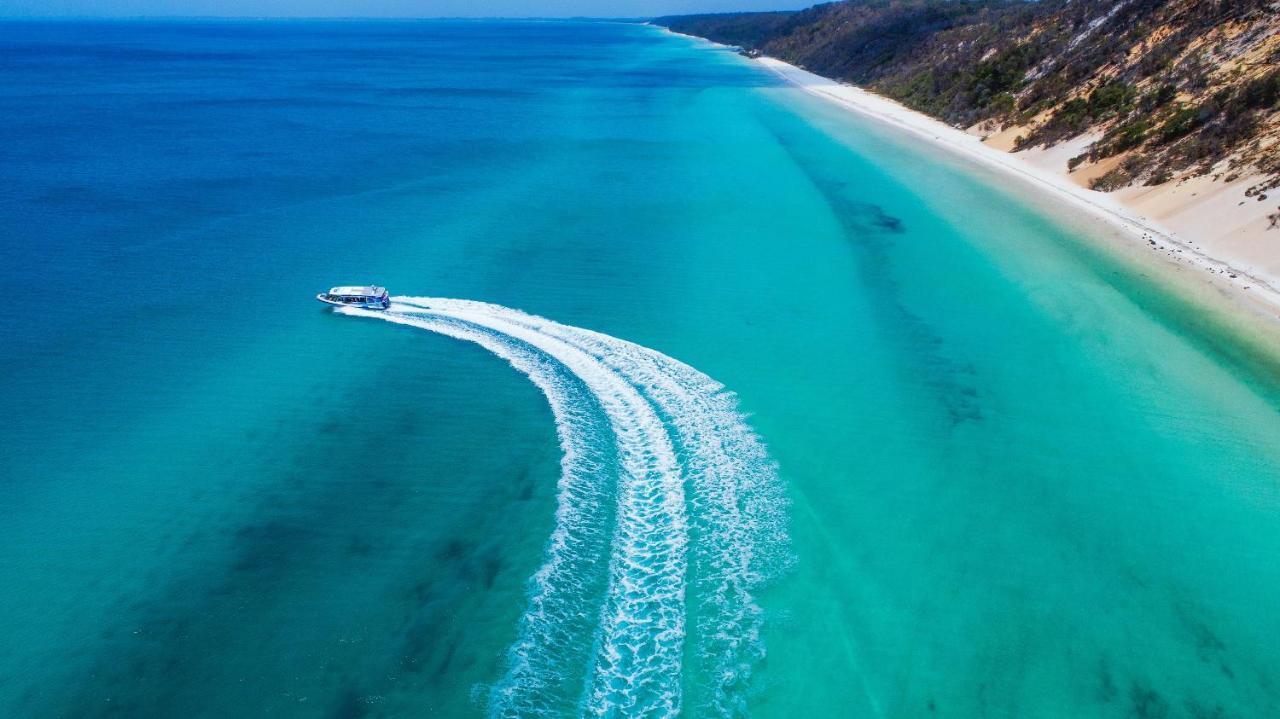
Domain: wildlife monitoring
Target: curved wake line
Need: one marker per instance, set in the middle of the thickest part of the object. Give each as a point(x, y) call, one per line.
point(682, 456)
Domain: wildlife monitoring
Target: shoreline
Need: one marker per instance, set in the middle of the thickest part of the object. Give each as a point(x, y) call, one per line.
point(1251, 289)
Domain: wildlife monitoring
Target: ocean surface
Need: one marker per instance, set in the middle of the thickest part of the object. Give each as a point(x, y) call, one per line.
point(698, 396)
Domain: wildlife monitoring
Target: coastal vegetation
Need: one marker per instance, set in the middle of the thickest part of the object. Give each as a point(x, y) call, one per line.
point(1168, 88)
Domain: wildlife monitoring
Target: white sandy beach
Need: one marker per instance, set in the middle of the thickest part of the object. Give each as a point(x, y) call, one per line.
point(1197, 223)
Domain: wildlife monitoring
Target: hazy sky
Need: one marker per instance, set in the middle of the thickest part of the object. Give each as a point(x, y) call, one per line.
point(385, 8)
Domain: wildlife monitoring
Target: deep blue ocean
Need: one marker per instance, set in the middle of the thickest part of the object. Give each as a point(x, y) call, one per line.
point(964, 462)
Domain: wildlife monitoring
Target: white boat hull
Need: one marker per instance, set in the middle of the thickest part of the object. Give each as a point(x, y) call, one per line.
point(371, 304)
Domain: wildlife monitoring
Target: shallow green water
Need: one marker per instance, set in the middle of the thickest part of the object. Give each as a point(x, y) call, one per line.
point(1023, 481)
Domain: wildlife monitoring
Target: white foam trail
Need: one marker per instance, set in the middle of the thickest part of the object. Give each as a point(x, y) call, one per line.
point(673, 427)
point(737, 503)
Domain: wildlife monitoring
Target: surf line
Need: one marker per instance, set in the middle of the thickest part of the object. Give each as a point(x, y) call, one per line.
point(684, 459)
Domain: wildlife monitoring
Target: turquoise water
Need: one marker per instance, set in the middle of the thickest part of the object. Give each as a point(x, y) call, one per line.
point(1021, 479)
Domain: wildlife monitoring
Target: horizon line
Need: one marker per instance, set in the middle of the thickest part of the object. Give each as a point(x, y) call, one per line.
point(304, 18)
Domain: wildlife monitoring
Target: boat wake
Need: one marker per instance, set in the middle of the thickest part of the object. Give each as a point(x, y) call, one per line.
point(670, 515)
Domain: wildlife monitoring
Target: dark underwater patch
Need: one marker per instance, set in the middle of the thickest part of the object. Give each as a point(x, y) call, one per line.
point(1209, 647)
point(349, 704)
point(871, 233)
point(270, 547)
point(1199, 711)
point(1146, 703)
point(1108, 692)
point(423, 635)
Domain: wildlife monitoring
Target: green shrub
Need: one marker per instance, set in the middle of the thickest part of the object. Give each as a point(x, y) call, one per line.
point(1073, 115)
point(1113, 180)
point(1261, 93)
point(1110, 99)
point(1180, 123)
point(1158, 97)
point(1130, 135)
point(1002, 104)
point(999, 75)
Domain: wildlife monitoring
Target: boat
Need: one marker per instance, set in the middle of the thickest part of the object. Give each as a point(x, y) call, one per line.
point(367, 297)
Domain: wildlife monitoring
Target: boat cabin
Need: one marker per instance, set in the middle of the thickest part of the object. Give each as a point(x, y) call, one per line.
point(368, 297)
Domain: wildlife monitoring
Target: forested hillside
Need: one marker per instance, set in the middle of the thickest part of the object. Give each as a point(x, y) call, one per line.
point(1162, 88)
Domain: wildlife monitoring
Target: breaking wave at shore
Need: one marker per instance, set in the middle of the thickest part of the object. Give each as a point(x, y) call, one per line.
point(668, 507)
